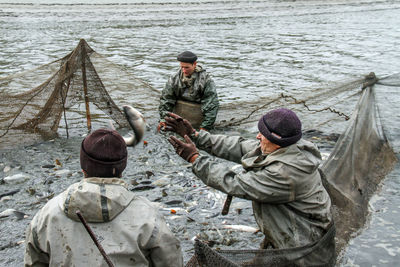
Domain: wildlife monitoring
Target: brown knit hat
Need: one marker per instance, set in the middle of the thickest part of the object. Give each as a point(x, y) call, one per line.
point(280, 126)
point(103, 154)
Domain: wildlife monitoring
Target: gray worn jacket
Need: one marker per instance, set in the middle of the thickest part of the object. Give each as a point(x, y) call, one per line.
point(291, 206)
point(202, 91)
point(129, 228)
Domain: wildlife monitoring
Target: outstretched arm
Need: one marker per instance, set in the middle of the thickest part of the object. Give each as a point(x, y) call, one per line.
point(265, 185)
point(231, 148)
point(167, 100)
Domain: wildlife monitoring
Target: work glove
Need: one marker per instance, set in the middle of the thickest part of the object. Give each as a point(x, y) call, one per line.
point(161, 126)
point(179, 125)
point(188, 151)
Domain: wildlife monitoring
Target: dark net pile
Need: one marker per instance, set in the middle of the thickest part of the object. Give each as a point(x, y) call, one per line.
point(205, 256)
point(79, 89)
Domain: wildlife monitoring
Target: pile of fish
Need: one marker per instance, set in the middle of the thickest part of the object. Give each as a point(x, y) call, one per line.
point(29, 177)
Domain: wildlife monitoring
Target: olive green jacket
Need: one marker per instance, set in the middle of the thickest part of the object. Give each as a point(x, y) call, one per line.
point(128, 227)
point(291, 206)
point(202, 91)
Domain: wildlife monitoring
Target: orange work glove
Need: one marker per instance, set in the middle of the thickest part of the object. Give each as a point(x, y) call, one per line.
point(161, 126)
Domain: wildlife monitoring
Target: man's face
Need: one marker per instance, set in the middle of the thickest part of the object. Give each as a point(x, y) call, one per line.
point(187, 68)
point(266, 145)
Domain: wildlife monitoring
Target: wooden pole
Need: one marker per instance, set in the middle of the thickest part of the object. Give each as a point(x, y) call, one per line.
point(83, 56)
point(227, 204)
point(63, 101)
point(98, 245)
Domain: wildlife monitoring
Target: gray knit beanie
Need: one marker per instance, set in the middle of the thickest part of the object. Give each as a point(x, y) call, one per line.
point(187, 57)
point(280, 126)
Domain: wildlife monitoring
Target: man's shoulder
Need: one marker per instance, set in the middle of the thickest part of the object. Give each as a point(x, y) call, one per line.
point(176, 74)
point(140, 206)
point(143, 203)
point(50, 209)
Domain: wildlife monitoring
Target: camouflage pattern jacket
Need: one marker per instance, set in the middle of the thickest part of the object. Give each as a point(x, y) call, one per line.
point(199, 88)
point(290, 204)
point(128, 227)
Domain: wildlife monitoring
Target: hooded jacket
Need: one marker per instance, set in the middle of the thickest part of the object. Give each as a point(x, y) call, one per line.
point(199, 88)
point(291, 206)
point(128, 227)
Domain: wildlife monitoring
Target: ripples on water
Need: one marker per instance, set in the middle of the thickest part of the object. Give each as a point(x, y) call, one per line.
point(252, 49)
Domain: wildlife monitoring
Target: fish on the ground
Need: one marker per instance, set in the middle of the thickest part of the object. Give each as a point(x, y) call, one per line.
point(45, 196)
point(9, 193)
point(12, 212)
point(243, 228)
point(16, 178)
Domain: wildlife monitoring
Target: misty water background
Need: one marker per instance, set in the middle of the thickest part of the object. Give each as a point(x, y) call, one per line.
point(251, 48)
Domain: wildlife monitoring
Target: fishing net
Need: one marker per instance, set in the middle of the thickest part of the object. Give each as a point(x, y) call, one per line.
point(82, 87)
point(72, 90)
point(310, 255)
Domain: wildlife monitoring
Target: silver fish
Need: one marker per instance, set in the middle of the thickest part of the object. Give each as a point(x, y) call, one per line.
point(12, 212)
point(137, 123)
point(16, 178)
point(243, 228)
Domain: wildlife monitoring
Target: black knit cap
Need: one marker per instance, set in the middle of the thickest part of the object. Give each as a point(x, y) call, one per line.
point(280, 126)
point(103, 154)
point(187, 57)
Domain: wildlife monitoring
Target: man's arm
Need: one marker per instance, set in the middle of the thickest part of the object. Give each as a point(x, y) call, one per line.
point(209, 105)
point(34, 256)
point(231, 148)
point(166, 250)
point(167, 99)
point(265, 185)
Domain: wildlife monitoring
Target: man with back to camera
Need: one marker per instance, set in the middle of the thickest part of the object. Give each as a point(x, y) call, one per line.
point(191, 84)
point(281, 177)
point(128, 227)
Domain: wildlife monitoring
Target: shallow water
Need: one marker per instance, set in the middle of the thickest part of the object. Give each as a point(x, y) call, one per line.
point(252, 49)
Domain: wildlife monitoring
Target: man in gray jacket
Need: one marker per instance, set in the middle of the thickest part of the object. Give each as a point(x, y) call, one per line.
point(128, 227)
point(191, 84)
point(281, 177)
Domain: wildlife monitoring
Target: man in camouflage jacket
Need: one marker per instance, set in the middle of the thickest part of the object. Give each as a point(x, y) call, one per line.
point(191, 83)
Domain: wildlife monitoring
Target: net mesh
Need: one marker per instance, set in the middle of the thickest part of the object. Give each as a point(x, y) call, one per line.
point(310, 255)
point(83, 85)
point(36, 113)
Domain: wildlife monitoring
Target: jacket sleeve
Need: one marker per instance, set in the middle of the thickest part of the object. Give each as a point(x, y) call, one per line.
point(265, 185)
point(167, 99)
point(166, 249)
point(231, 148)
point(34, 256)
point(209, 105)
